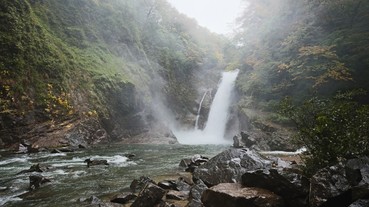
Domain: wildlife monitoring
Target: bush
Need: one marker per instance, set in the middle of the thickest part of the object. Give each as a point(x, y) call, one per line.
point(330, 129)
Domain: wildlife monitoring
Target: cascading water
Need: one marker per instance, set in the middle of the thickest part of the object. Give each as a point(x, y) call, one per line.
point(217, 120)
point(199, 110)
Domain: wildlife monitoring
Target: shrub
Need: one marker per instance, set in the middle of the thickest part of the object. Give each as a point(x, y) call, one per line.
point(330, 129)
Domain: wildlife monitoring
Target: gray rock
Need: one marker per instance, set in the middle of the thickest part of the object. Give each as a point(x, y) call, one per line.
point(149, 196)
point(177, 195)
point(138, 184)
point(341, 184)
point(360, 203)
point(234, 195)
point(229, 166)
point(196, 192)
point(123, 198)
point(35, 181)
point(292, 186)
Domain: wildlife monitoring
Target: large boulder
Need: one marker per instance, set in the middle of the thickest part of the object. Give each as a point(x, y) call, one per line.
point(229, 166)
point(340, 185)
point(150, 196)
point(234, 195)
point(292, 186)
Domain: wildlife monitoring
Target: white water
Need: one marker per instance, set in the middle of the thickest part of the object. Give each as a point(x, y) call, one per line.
point(199, 110)
point(218, 116)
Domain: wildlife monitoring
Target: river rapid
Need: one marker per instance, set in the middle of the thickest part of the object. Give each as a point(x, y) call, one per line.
point(71, 180)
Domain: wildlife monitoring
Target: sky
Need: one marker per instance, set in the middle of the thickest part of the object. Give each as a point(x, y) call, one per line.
point(216, 15)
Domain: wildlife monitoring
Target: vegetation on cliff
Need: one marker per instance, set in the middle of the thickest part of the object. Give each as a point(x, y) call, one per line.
point(311, 51)
point(96, 59)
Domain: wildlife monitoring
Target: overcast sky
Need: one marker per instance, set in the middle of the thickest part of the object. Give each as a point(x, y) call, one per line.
point(217, 15)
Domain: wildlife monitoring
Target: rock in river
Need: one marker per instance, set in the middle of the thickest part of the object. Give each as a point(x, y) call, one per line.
point(229, 166)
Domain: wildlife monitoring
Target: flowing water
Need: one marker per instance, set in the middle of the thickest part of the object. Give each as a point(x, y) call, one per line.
point(199, 111)
point(218, 116)
point(72, 180)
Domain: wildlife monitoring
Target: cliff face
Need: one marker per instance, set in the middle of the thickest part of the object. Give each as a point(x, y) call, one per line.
point(85, 72)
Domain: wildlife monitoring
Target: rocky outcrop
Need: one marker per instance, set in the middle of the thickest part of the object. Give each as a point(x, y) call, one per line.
point(291, 186)
point(229, 166)
point(340, 185)
point(234, 195)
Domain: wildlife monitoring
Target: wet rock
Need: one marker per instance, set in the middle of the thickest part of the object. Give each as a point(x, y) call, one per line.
point(167, 184)
point(247, 140)
point(130, 155)
point(35, 181)
point(234, 195)
point(123, 198)
point(150, 196)
point(94, 201)
point(293, 187)
point(95, 162)
point(138, 184)
point(236, 142)
point(229, 166)
point(185, 162)
point(360, 203)
point(33, 168)
point(340, 185)
point(196, 193)
point(177, 195)
point(2, 188)
point(192, 163)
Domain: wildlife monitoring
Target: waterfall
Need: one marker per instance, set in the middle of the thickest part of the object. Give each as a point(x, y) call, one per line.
point(216, 125)
point(199, 110)
point(218, 115)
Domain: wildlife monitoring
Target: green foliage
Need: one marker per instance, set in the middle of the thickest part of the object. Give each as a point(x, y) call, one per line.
point(331, 129)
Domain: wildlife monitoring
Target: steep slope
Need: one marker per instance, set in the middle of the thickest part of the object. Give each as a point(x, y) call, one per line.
point(83, 72)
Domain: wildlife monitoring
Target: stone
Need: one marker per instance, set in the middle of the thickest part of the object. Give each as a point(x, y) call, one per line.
point(229, 166)
point(196, 191)
point(292, 186)
point(234, 195)
point(138, 184)
point(33, 168)
point(167, 184)
point(150, 196)
point(177, 195)
point(35, 181)
point(340, 185)
point(185, 162)
point(123, 198)
point(95, 162)
point(360, 203)
point(247, 140)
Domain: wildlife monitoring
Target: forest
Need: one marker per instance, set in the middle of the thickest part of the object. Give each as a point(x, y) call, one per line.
point(93, 72)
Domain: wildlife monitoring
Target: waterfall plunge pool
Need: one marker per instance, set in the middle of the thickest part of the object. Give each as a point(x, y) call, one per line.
point(72, 180)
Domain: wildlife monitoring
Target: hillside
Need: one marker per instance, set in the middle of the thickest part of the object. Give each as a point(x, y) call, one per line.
point(82, 72)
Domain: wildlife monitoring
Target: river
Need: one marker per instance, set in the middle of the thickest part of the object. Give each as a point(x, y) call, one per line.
point(71, 180)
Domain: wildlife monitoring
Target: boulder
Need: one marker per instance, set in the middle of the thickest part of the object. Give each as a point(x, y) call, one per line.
point(360, 203)
point(33, 168)
point(247, 140)
point(123, 198)
point(35, 181)
point(177, 195)
point(340, 185)
point(196, 192)
point(150, 196)
point(229, 166)
point(234, 195)
point(138, 184)
point(192, 163)
point(292, 186)
point(95, 162)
